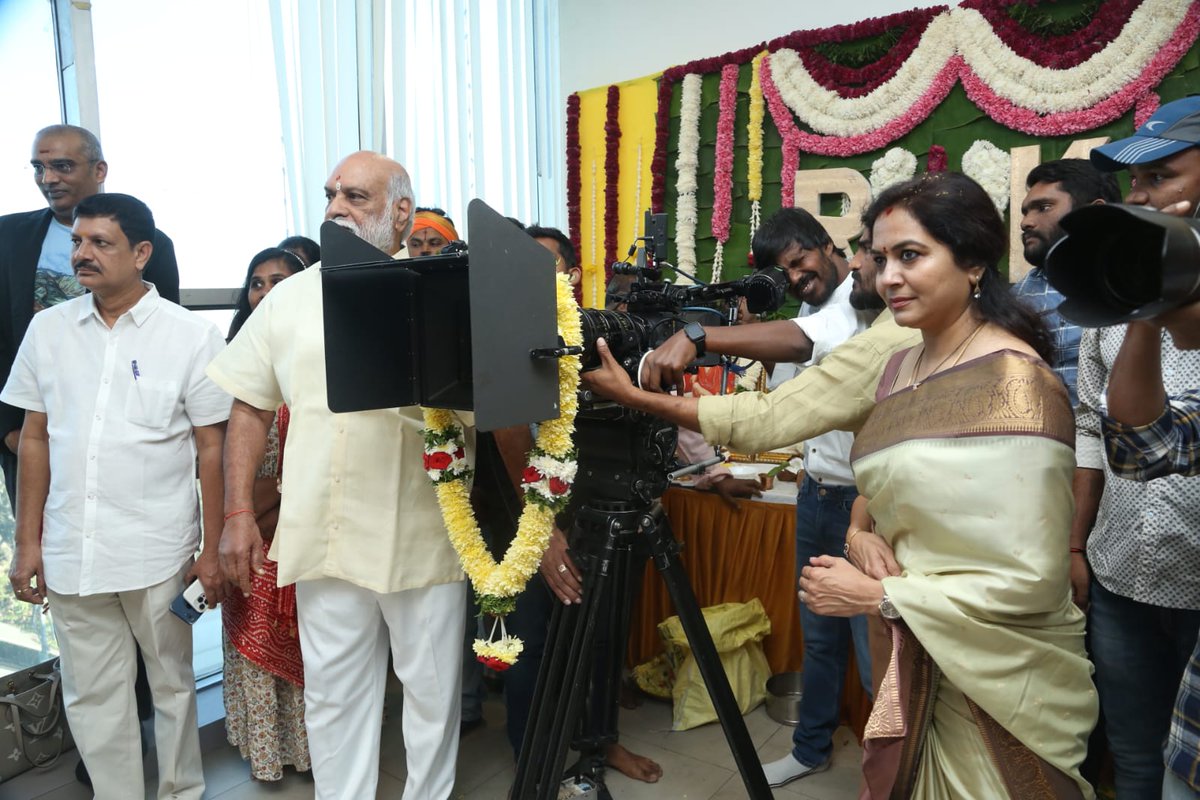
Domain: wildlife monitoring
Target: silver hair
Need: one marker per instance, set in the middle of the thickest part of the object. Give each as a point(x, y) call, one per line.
point(400, 188)
point(91, 145)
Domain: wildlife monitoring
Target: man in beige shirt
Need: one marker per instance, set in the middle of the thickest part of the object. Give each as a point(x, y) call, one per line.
point(359, 528)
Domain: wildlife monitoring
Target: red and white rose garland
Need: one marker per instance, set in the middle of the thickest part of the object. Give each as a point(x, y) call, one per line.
point(547, 485)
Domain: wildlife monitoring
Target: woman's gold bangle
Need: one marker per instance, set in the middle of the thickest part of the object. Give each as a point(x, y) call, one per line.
point(849, 539)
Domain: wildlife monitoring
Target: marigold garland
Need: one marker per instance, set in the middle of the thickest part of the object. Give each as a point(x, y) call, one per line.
point(497, 585)
point(754, 145)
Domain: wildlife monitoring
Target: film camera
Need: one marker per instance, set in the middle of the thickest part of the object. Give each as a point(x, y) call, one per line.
point(1119, 263)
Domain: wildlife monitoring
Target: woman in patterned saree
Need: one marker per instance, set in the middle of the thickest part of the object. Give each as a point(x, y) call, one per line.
point(959, 541)
point(264, 675)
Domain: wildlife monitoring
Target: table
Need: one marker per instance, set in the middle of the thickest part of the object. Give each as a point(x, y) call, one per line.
point(733, 556)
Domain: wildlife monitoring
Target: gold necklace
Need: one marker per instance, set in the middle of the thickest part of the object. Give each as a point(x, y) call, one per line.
point(960, 349)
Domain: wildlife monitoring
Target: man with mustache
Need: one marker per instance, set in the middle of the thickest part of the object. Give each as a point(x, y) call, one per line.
point(1055, 189)
point(118, 414)
point(35, 253)
point(359, 531)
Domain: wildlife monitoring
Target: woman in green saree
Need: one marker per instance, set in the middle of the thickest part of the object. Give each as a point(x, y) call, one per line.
point(959, 541)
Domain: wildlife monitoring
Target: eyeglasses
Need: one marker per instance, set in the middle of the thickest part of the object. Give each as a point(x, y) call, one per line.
point(60, 166)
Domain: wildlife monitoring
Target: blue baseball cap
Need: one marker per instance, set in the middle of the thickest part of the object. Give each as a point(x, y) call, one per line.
point(1174, 128)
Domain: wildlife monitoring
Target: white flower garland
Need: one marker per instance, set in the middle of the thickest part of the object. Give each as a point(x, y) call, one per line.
point(685, 186)
point(828, 113)
point(895, 166)
point(967, 33)
point(1057, 90)
point(991, 168)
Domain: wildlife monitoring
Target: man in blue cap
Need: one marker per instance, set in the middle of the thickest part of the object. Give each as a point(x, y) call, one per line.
point(1140, 540)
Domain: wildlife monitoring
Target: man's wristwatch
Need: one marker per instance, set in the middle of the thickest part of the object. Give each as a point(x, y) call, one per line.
point(886, 609)
point(694, 331)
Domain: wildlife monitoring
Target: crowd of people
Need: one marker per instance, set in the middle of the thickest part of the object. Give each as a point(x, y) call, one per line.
point(998, 511)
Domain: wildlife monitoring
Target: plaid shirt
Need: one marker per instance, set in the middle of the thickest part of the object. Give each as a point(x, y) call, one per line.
point(1037, 293)
point(1170, 444)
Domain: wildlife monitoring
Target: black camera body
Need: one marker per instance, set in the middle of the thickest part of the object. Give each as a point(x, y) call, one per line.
point(1119, 263)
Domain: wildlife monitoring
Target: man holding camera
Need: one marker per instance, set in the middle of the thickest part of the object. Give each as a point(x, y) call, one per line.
point(359, 531)
point(1142, 540)
point(1148, 435)
point(818, 276)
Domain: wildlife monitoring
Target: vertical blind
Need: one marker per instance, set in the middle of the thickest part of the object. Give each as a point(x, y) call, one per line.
point(464, 93)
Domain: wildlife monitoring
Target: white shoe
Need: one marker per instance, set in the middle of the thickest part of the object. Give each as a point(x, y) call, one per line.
point(788, 769)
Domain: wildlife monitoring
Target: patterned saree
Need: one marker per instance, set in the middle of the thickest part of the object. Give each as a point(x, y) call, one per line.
point(988, 692)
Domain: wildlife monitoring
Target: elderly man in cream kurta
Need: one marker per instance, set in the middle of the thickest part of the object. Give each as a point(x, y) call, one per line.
point(359, 528)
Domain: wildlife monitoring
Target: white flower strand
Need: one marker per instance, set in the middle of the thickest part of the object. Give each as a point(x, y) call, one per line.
point(895, 166)
point(991, 168)
point(1047, 90)
point(685, 185)
point(828, 113)
point(967, 33)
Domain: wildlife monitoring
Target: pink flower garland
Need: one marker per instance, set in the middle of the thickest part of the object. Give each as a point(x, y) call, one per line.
point(612, 168)
point(723, 170)
point(1057, 52)
point(842, 146)
point(1022, 119)
point(787, 130)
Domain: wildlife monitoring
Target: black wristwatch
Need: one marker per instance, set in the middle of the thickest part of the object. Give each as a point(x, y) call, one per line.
point(695, 333)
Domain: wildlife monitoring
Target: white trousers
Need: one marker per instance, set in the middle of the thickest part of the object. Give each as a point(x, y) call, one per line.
point(345, 632)
point(96, 635)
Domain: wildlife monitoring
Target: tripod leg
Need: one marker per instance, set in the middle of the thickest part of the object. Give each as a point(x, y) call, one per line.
point(561, 688)
point(665, 551)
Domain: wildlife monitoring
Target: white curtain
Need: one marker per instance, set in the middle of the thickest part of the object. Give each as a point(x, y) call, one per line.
point(464, 93)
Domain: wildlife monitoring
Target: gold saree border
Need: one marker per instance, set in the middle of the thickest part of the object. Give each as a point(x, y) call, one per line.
point(1001, 394)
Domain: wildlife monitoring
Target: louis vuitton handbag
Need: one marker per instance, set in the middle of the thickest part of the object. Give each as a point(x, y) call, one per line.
point(33, 724)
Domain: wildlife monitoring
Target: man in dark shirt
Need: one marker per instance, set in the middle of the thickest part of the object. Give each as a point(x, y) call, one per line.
point(35, 254)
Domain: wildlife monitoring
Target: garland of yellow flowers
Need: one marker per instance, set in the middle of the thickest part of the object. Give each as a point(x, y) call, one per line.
point(754, 144)
point(547, 480)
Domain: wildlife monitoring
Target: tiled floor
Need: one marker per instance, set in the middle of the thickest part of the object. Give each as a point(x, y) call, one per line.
point(696, 764)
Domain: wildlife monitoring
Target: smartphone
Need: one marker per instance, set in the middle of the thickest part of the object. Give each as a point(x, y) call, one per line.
point(191, 603)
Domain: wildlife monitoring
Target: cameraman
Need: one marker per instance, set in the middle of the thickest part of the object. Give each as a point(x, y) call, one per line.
point(1141, 539)
point(1148, 436)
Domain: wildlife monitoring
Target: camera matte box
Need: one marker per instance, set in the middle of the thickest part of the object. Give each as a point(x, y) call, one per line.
point(448, 331)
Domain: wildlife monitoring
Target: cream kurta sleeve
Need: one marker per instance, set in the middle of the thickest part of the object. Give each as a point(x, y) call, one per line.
point(837, 394)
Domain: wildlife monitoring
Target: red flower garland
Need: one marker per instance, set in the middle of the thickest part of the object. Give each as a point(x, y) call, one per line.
point(574, 184)
point(937, 159)
point(1057, 52)
point(859, 81)
point(612, 168)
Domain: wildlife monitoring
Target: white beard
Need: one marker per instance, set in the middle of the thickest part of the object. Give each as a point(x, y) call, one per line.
point(379, 232)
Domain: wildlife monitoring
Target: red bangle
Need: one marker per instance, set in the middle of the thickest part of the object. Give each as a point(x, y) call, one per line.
point(239, 511)
point(1077, 550)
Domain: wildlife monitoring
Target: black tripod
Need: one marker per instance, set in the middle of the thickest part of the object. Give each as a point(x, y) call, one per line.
point(622, 473)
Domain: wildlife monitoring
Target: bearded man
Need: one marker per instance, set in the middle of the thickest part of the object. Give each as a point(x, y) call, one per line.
point(359, 528)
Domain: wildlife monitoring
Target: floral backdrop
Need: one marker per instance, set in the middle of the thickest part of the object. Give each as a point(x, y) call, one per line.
point(716, 143)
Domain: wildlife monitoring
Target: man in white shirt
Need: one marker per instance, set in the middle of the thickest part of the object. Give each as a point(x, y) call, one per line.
point(117, 409)
point(359, 531)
